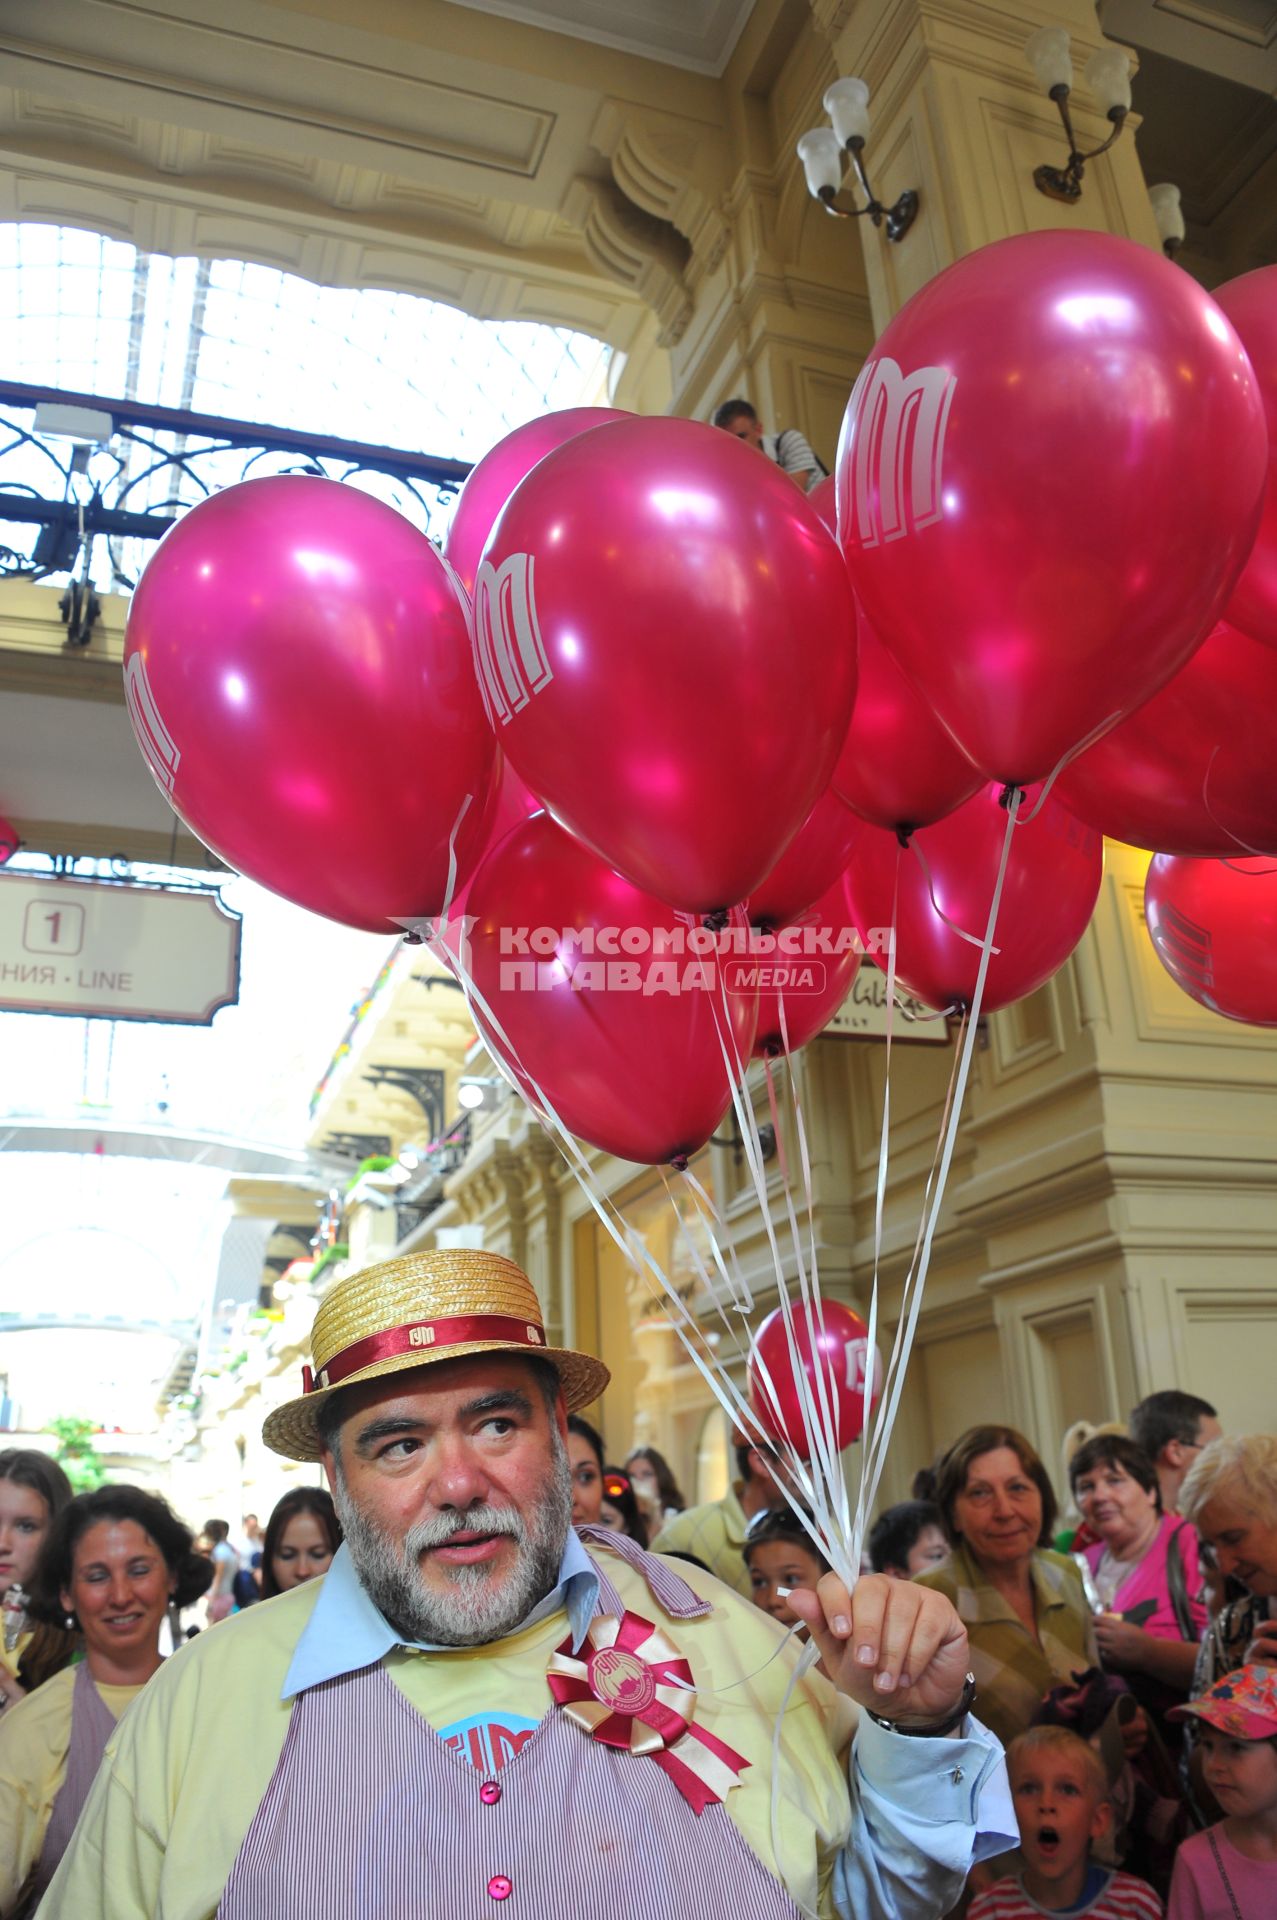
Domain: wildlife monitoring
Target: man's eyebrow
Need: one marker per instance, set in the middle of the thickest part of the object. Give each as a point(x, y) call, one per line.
point(389, 1426)
point(503, 1400)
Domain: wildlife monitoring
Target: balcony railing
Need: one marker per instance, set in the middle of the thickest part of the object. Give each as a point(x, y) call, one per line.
point(92, 508)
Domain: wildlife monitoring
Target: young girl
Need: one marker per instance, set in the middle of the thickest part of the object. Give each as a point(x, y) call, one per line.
point(781, 1555)
point(1230, 1871)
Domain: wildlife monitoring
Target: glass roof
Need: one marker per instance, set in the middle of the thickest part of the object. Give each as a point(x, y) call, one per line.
point(87, 314)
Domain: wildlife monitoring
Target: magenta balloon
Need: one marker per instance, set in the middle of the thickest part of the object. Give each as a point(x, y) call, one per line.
point(666, 638)
point(1251, 305)
point(493, 479)
point(830, 1339)
point(1213, 925)
point(898, 767)
point(1191, 771)
point(300, 680)
point(1053, 877)
point(602, 1002)
point(1050, 475)
point(815, 858)
point(811, 975)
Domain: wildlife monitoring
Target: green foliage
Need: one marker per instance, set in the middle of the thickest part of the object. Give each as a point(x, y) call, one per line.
point(76, 1453)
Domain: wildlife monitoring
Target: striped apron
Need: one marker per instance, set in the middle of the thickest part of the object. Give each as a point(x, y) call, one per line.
point(92, 1724)
point(369, 1816)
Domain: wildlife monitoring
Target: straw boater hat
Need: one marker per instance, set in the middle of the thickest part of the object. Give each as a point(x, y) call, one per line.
point(412, 1312)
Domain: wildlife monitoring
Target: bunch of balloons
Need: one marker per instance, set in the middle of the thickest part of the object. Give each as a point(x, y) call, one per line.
point(653, 709)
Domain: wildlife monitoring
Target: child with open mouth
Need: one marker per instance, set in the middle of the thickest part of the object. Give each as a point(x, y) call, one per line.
point(1062, 1803)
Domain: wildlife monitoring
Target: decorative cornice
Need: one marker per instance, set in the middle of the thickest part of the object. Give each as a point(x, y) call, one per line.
point(642, 253)
point(653, 170)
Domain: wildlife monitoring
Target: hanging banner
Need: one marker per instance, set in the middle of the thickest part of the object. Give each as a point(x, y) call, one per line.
point(863, 1014)
point(112, 950)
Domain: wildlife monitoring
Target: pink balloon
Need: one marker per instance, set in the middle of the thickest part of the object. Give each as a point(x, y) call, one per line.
point(666, 639)
point(1052, 881)
point(1191, 771)
point(1050, 475)
point(814, 859)
point(808, 967)
point(1251, 305)
point(494, 478)
point(299, 677)
point(9, 841)
point(1213, 925)
point(830, 1339)
point(511, 805)
point(824, 497)
point(623, 1012)
point(898, 767)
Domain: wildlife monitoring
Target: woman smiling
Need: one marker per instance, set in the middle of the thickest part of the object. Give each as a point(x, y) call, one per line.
point(111, 1563)
point(1023, 1607)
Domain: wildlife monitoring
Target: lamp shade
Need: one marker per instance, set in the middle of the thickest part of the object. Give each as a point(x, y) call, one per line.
point(821, 156)
point(1167, 211)
point(1108, 75)
point(847, 104)
point(1047, 52)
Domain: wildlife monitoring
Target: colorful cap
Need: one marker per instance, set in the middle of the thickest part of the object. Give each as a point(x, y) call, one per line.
point(1243, 1703)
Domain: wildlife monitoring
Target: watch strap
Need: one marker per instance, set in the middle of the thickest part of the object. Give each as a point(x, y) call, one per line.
point(931, 1729)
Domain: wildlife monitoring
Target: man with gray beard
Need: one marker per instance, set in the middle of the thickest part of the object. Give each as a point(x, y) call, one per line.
point(477, 1705)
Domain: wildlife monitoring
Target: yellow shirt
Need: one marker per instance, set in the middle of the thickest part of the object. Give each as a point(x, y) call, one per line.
point(10, 1656)
point(157, 1842)
point(715, 1534)
point(35, 1734)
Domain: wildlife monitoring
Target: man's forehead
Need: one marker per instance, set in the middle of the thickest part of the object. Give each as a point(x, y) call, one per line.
point(424, 1393)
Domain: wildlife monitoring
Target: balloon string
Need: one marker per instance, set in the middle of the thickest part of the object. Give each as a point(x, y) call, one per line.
point(972, 939)
point(1096, 733)
point(1260, 853)
point(890, 1406)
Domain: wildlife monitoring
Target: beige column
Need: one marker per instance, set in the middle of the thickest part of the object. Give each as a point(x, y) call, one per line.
point(958, 114)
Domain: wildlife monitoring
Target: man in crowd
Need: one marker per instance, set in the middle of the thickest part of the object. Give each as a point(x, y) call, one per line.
point(477, 1705)
point(790, 449)
point(1172, 1428)
point(715, 1533)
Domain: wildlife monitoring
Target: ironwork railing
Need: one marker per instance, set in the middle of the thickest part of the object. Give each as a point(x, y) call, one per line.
point(92, 512)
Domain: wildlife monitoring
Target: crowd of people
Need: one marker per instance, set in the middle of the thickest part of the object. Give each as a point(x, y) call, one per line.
point(1124, 1654)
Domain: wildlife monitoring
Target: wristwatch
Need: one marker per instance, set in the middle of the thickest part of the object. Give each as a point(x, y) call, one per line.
point(931, 1729)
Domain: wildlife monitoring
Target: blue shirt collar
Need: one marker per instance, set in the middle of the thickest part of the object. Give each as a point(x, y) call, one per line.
point(346, 1631)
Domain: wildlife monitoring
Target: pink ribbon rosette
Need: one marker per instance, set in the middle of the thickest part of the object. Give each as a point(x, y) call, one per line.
point(630, 1687)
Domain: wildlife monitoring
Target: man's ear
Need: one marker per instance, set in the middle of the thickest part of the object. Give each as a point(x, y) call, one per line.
point(561, 1416)
point(1172, 1454)
point(329, 1464)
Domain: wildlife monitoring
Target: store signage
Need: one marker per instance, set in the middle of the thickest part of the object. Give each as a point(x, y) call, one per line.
point(863, 1014)
point(112, 950)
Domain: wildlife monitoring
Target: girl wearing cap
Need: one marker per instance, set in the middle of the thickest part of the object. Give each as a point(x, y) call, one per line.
point(112, 1561)
point(1230, 1871)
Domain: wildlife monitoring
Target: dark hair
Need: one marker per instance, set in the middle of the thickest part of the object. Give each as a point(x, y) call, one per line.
point(953, 1469)
point(775, 1524)
point(191, 1571)
point(895, 1533)
point(923, 1484)
point(618, 1493)
point(28, 1467)
point(217, 1530)
point(316, 1500)
point(742, 1456)
point(1115, 1450)
point(1167, 1416)
point(668, 1492)
point(733, 410)
point(591, 1436)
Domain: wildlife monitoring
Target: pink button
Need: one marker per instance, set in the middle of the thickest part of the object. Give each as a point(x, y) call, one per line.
point(489, 1793)
point(499, 1887)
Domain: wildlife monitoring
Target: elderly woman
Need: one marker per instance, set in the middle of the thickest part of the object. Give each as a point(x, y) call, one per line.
point(1145, 1568)
point(1230, 1496)
point(111, 1563)
point(1022, 1606)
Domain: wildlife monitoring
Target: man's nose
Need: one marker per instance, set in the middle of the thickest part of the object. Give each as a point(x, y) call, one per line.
point(457, 1478)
